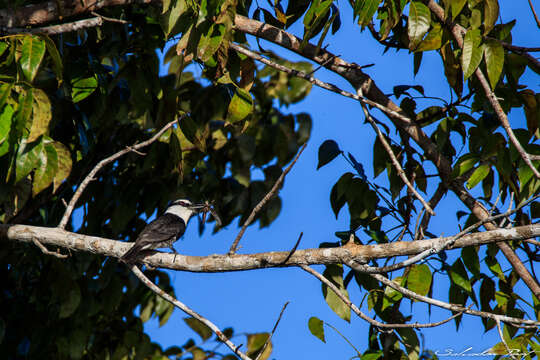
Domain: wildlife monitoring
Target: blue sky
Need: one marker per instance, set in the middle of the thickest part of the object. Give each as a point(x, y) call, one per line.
point(251, 301)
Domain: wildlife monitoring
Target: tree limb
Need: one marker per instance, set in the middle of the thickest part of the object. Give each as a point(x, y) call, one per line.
point(221, 263)
point(70, 207)
point(156, 289)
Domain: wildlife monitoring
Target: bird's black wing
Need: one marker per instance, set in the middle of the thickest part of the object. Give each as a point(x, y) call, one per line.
point(156, 234)
point(164, 228)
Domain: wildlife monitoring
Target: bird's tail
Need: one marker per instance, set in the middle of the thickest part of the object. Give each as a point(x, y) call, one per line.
point(131, 255)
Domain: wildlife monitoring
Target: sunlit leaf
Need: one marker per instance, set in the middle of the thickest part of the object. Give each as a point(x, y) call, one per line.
point(472, 52)
point(32, 52)
point(478, 175)
point(491, 13)
point(334, 273)
point(41, 115)
point(240, 106)
point(419, 279)
point(200, 328)
point(418, 23)
point(64, 164)
point(316, 327)
point(494, 54)
point(46, 170)
point(82, 87)
point(459, 276)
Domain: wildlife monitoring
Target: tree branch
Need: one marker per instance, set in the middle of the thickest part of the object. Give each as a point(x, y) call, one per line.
point(156, 289)
point(453, 307)
point(70, 207)
point(264, 200)
point(221, 263)
point(363, 316)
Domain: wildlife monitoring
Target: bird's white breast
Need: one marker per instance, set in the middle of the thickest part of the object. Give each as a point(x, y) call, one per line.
point(180, 211)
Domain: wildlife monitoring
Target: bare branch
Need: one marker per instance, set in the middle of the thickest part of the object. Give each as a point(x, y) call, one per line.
point(273, 331)
point(264, 200)
point(453, 307)
point(363, 316)
point(443, 244)
point(112, 158)
point(188, 311)
point(534, 14)
point(47, 251)
point(395, 162)
point(508, 351)
point(220, 263)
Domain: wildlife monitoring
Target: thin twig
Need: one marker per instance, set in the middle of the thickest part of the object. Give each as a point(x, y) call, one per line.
point(395, 162)
point(273, 331)
point(119, 21)
point(47, 251)
point(322, 84)
point(363, 316)
point(264, 200)
point(57, 29)
point(293, 250)
point(112, 158)
point(453, 307)
point(534, 13)
point(157, 290)
point(508, 351)
point(443, 244)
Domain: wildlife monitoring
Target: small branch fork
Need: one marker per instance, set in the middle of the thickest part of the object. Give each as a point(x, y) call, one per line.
point(91, 176)
point(441, 245)
point(189, 311)
point(264, 200)
point(363, 316)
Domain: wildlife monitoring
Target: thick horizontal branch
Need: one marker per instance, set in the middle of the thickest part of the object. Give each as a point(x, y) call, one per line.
point(222, 263)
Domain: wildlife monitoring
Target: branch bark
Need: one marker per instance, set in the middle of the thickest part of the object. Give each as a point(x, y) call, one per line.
point(221, 263)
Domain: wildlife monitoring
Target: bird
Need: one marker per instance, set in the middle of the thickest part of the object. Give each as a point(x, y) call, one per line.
point(164, 230)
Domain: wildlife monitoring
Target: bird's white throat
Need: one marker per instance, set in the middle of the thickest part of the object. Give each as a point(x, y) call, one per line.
point(180, 211)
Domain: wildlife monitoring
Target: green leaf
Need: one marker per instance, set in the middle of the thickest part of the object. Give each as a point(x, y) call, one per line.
point(55, 56)
point(494, 53)
point(470, 258)
point(170, 18)
point(391, 295)
point(200, 328)
point(64, 164)
point(334, 273)
point(5, 92)
point(365, 10)
point(456, 6)
point(433, 40)
point(41, 115)
point(478, 175)
point(459, 276)
point(339, 190)
point(82, 87)
point(316, 327)
point(5, 125)
point(210, 42)
point(328, 152)
point(464, 164)
point(71, 303)
point(27, 159)
point(491, 13)
point(419, 279)
point(472, 52)
point(32, 52)
point(255, 342)
point(46, 170)
point(241, 105)
point(418, 26)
